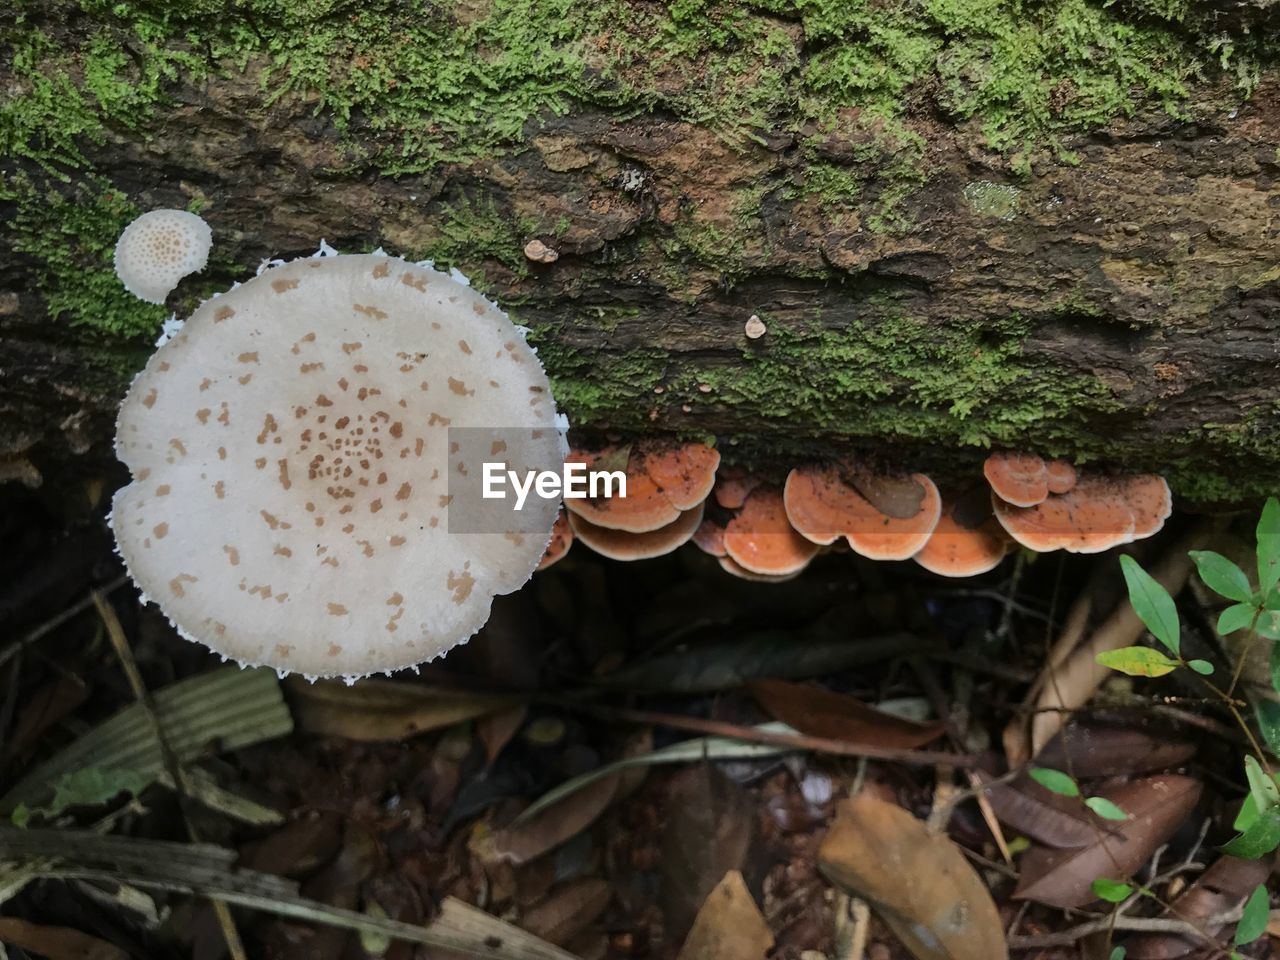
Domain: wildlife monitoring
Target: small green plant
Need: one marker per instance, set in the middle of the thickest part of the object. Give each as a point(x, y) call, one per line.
point(1256, 610)
point(1063, 785)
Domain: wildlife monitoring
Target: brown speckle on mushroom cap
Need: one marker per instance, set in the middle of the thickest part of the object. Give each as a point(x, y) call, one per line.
point(325, 474)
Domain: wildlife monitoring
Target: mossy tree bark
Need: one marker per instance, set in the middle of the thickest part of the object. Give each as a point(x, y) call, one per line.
point(960, 228)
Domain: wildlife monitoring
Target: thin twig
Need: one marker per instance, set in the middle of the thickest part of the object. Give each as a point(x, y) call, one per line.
point(11, 650)
point(1072, 936)
point(717, 728)
point(235, 946)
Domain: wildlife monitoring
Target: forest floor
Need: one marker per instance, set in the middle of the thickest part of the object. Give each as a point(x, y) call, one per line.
point(391, 799)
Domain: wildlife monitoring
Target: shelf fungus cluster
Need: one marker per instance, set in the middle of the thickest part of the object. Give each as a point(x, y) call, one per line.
point(766, 531)
point(666, 486)
point(295, 492)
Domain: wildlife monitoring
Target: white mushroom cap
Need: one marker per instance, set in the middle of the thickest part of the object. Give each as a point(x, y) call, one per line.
point(291, 500)
point(160, 248)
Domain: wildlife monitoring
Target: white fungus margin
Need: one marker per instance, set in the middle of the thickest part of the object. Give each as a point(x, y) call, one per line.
point(290, 458)
point(160, 248)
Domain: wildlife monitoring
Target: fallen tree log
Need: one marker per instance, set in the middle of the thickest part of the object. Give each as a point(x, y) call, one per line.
point(962, 224)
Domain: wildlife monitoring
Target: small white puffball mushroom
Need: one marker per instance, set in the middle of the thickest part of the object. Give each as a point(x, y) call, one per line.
point(160, 248)
point(294, 499)
point(754, 328)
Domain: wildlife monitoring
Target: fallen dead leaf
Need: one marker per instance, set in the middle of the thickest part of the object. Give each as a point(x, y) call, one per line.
point(496, 730)
point(1041, 814)
point(729, 925)
point(1105, 751)
point(822, 713)
point(918, 882)
point(381, 710)
point(56, 943)
point(1157, 806)
point(570, 910)
point(1223, 887)
point(297, 848)
point(548, 828)
point(712, 830)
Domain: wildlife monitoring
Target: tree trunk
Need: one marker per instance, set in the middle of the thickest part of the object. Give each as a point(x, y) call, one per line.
point(1048, 226)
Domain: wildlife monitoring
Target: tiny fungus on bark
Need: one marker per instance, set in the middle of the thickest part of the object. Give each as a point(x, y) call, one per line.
point(967, 540)
point(293, 479)
point(881, 516)
point(754, 328)
point(621, 545)
point(761, 539)
point(539, 252)
point(158, 249)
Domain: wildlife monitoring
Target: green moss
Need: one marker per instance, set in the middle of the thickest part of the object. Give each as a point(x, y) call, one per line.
point(73, 238)
point(900, 378)
point(470, 232)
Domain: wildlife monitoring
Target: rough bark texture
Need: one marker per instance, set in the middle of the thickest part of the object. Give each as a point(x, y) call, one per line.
point(944, 262)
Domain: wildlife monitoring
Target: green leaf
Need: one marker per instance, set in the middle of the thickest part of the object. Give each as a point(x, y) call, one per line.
point(1112, 891)
point(1248, 815)
point(1268, 714)
point(1269, 624)
point(1238, 616)
point(1261, 837)
point(1118, 953)
point(1261, 787)
point(1105, 809)
point(1222, 576)
point(1137, 661)
point(1055, 780)
point(1269, 546)
point(1152, 603)
point(1253, 922)
point(1202, 667)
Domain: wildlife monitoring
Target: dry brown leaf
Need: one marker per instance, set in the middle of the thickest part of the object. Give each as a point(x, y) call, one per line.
point(42, 710)
point(919, 882)
point(729, 925)
point(712, 829)
point(1041, 814)
point(297, 848)
point(548, 828)
point(380, 710)
point(568, 911)
point(1104, 751)
point(496, 730)
point(822, 713)
point(56, 943)
point(1223, 887)
point(1157, 806)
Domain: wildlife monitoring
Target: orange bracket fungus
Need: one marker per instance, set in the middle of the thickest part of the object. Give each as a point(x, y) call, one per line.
point(881, 517)
point(622, 545)
point(561, 541)
point(1096, 514)
point(158, 249)
point(967, 540)
point(296, 500)
point(1024, 479)
point(761, 540)
point(663, 482)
